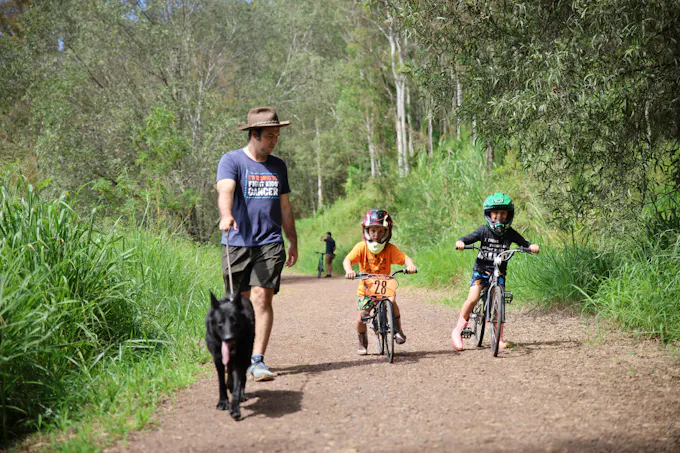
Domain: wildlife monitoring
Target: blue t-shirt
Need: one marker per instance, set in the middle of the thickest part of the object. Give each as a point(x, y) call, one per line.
point(257, 206)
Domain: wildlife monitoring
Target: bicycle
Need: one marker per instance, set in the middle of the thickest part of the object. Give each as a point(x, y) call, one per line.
point(319, 268)
point(380, 287)
point(495, 298)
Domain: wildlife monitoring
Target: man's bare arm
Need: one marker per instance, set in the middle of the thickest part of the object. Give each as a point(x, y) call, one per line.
point(289, 229)
point(225, 202)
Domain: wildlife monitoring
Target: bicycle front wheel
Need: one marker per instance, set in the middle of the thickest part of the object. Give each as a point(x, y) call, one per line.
point(496, 318)
point(390, 331)
point(319, 269)
point(478, 322)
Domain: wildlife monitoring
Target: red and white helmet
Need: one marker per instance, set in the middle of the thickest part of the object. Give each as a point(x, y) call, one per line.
point(379, 218)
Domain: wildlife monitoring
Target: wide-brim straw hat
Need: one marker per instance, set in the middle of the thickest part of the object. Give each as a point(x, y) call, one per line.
point(262, 117)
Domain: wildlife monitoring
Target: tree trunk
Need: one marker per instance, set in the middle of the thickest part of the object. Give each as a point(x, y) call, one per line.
point(489, 157)
point(399, 120)
point(430, 146)
point(409, 126)
point(318, 163)
point(459, 103)
point(371, 146)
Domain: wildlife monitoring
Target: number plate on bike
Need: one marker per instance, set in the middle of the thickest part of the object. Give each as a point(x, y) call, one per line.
point(380, 286)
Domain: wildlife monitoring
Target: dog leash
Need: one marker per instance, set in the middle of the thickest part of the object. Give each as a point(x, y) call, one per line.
point(231, 283)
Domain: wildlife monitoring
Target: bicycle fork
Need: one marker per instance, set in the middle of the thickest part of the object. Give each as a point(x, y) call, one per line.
point(505, 299)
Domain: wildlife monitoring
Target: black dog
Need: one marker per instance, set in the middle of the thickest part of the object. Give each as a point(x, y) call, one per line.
point(230, 332)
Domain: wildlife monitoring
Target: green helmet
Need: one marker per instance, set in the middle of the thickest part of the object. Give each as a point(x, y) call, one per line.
point(497, 201)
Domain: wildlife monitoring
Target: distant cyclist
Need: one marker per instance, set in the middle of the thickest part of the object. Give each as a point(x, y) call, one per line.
point(330, 253)
point(375, 255)
point(496, 236)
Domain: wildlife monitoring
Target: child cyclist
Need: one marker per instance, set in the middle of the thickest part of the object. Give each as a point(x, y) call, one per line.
point(375, 255)
point(496, 236)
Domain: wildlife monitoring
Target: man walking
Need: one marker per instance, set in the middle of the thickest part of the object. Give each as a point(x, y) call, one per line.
point(330, 253)
point(252, 195)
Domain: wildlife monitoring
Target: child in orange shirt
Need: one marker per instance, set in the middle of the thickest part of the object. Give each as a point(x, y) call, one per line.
point(375, 255)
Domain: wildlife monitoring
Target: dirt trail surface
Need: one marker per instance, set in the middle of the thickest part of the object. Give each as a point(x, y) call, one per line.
point(565, 387)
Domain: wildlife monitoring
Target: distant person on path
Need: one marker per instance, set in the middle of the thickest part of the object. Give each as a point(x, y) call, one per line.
point(495, 237)
point(375, 255)
point(330, 254)
point(252, 188)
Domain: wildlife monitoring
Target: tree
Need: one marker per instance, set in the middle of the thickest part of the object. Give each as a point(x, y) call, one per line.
point(583, 90)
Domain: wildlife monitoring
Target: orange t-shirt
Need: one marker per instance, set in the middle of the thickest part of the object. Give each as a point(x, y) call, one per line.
point(375, 264)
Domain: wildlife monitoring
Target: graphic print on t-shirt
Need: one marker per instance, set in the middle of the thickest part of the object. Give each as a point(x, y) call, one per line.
point(261, 185)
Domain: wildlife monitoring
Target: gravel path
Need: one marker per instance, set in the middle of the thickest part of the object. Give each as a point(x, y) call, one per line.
point(565, 387)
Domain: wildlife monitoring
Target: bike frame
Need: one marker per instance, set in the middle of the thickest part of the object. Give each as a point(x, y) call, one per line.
point(382, 291)
point(487, 292)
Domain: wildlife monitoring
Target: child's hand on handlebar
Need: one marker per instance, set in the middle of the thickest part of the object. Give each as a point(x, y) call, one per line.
point(533, 248)
point(350, 275)
point(460, 245)
point(411, 269)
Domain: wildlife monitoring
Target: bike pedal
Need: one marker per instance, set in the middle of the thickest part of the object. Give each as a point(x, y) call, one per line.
point(466, 333)
point(508, 297)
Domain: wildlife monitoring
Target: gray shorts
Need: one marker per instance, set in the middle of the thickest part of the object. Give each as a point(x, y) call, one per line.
point(254, 266)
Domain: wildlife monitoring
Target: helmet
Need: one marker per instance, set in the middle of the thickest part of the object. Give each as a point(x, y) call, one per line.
point(498, 200)
point(379, 218)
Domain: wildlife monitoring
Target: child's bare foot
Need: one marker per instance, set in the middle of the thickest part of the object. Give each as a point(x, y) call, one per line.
point(505, 344)
point(456, 339)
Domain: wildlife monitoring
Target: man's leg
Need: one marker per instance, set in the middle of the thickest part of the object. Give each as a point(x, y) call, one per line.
point(329, 265)
point(264, 317)
point(264, 320)
point(265, 277)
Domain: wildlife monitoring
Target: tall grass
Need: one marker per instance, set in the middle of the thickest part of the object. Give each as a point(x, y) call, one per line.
point(561, 275)
point(642, 291)
point(82, 312)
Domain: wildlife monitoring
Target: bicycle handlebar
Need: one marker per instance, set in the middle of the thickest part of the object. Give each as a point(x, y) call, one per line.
point(509, 252)
point(364, 275)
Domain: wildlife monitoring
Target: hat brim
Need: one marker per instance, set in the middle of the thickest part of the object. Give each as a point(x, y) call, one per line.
point(245, 127)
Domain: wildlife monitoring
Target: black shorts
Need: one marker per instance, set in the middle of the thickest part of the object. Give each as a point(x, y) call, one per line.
point(254, 266)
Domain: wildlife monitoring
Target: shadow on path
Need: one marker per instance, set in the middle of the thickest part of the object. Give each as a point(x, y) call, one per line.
point(403, 357)
point(556, 344)
point(274, 403)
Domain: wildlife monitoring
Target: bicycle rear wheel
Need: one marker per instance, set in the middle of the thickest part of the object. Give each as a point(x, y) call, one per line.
point(478, 322)
point(390, 331)
point(496, 318)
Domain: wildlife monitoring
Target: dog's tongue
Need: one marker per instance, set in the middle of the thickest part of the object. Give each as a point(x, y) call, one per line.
point(225, 353)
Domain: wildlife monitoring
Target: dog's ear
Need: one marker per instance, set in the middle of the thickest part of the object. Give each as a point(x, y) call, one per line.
point(213, 301)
